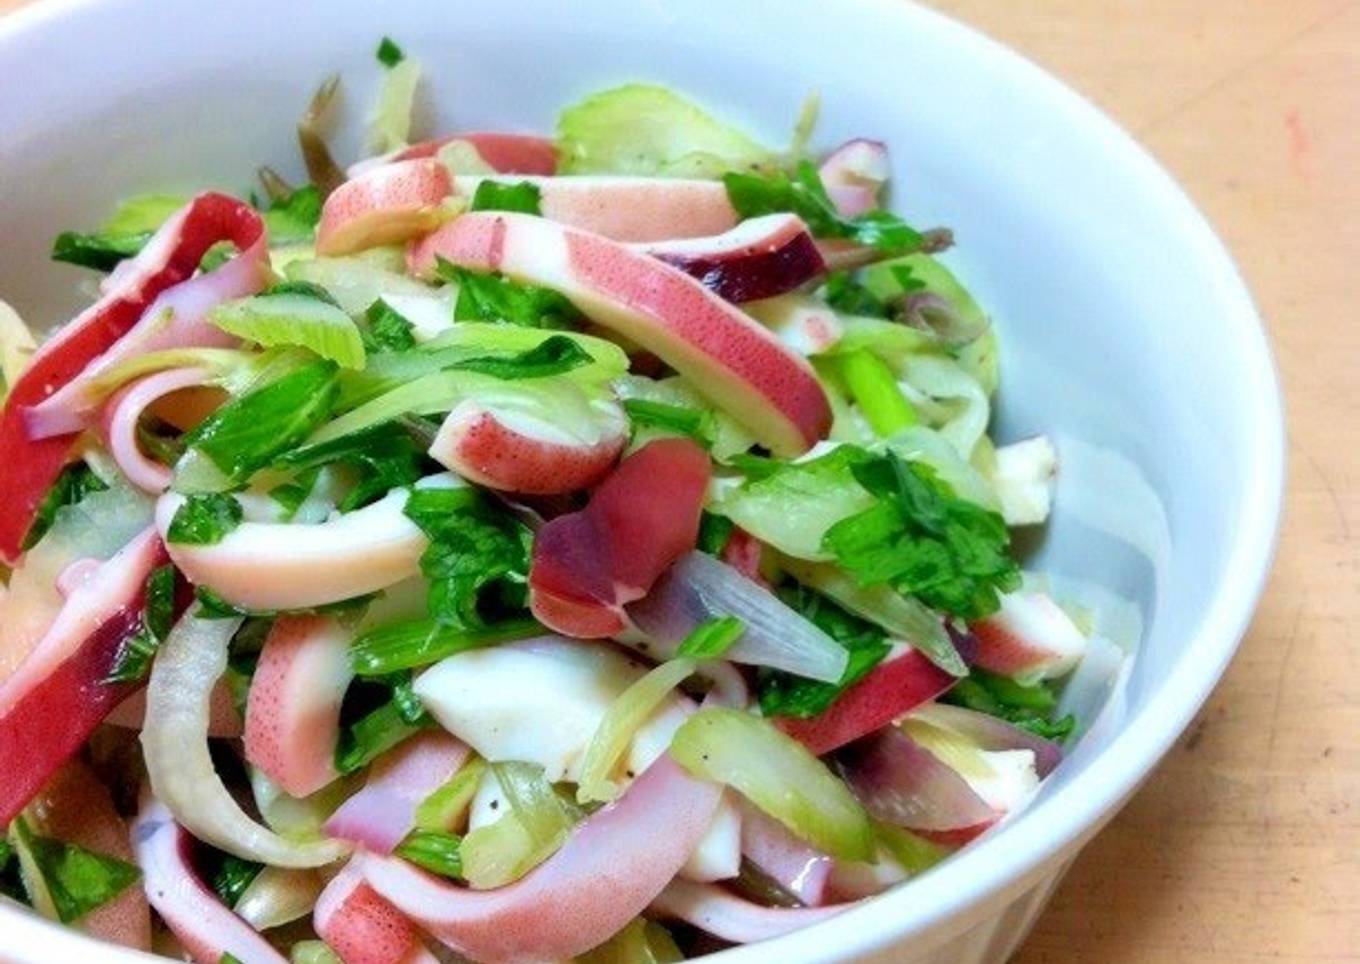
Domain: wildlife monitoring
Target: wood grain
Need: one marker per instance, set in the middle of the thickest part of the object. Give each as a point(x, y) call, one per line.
point(1245, 845)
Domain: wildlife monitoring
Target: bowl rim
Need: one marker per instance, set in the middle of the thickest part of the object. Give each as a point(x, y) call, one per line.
point(1002, 862)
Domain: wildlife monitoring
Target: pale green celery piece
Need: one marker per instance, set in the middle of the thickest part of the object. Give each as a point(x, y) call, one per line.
point(313, 952)
point(392, 118)
point(792, 509)
point(649, 130)
point(951, 748)
point(16, 347)
point(358, 281)
point(640, 942)
point(559, 401)
point(388, 371)
point(143, 213)
point(889, 340)
point(620, 723)
point(195, 473)
point(294, 320)
point(982, 360)
point(804, 126)
point(35, 885)
point(902, 617)
point(445, 809)
point(535, 827)
point(219, 362)
point(729, 437)
point(921, 444)
point(777, 774)
point(876, 392)
point(916, 854)
point(280, 259)
point(938, 279)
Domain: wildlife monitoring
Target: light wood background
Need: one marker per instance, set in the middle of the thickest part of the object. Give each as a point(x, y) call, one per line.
point(1245, 846)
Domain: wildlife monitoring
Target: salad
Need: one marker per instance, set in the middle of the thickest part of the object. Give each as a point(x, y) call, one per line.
point(513, 549)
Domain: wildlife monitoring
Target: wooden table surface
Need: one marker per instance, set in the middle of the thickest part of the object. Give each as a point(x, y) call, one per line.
point(1245, 845)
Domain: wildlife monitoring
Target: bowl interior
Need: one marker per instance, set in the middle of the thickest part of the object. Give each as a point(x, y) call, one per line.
point(1126, 333)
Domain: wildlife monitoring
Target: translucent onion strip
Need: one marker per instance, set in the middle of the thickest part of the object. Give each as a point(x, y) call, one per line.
point(175, 746)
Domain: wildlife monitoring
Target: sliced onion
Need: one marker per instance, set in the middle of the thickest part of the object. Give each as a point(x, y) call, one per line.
point(202, 922)
point(124, 411)
point(175, 746)
point(798, 868)
point(614, 864)
point(278, 896)
point(990, 733)
point(380, 815)
point(95, 527)
point(699, 587)
point(723, 914)
point(900, 782)
point(615, 732)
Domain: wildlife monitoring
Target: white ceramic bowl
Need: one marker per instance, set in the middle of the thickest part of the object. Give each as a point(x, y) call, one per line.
point(1126, 330)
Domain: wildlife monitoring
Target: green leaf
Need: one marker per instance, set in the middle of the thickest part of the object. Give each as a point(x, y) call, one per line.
point(134, 657)
point(229, 958)
point(521, 196)
point(389, 54)
point(714, 531)
point(11, 881)
point(122, 236)
point(388, 329)
point(293, 219)
point(78, 880)
point(98, 251)
point(477, 562)
point(75, 482)
point(671, 419)
point(381, 458)
point(371, 736)
point(204, 519)
point(924, 541)
point(249, 432)
point(556, 355)
point(711, 638)
point(494, 297)
point(1026, 705)
point(433, 850)
point(753, 195)
point(409, 645)
point(783, 694)
point(648, 130)
point(230, 875)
